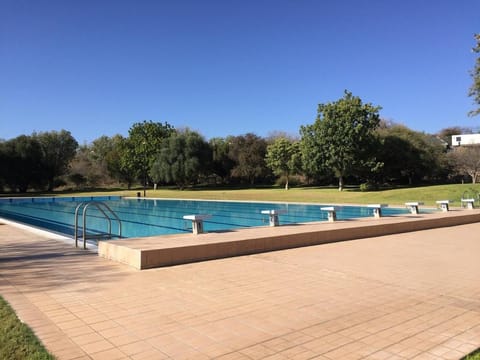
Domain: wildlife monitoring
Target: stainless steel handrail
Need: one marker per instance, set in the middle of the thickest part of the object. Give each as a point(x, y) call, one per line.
point(107, 212)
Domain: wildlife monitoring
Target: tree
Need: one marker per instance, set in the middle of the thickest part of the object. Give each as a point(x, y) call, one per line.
point(88, 168)
point(58, 149)
point(446, 133)
point(107, 153)
point(78, 180)
point(343, 137)
point(222, 163)
point(283, 157)
point(3, 168)
point(140, 150)
point(466, 161)
point(313, 160)
point(401, 158)
point(248, 151)
point(22, 161)
point(184, 156)
point(113, 159)
point(475, 88)
point(100, 148)
point(409, 156)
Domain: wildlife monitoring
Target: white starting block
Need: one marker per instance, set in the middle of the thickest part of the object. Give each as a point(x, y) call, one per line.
point(413, 206)
point(273, 216)
point(197, 222)
point(469, 203)
point(331, 213)
point(443, 204)
point(377, 209)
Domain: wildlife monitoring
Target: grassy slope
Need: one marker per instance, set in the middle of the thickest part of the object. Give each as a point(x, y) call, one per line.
point(427, 194)
point(473, 356)
point(17, 341)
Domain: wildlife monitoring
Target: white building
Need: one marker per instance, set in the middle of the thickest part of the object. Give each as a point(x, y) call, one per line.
point(466, 139)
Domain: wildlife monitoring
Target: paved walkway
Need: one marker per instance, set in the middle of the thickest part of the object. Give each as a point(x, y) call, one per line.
point(406, 296)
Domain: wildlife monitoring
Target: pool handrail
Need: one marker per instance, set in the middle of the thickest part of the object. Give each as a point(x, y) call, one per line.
point(103, 208)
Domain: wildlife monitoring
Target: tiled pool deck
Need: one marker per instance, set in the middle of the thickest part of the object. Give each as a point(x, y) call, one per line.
point(413, 295)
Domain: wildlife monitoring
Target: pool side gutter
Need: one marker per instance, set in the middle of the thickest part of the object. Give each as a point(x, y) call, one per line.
point(158, 251)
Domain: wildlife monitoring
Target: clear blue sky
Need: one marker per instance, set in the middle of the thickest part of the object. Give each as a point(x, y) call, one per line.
point(228, 67)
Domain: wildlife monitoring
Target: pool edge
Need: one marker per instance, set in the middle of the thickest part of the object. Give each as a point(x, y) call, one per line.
point(167, 250)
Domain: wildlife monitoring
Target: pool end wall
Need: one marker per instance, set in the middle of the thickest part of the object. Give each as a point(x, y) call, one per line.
point(158, 251)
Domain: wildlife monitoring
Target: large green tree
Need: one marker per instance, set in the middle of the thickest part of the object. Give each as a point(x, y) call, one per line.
point(284, 158)
point(58, 149)
point(3, 160)
point(313, 160)
point(107, 153)
point(145, 139)
point(114, 159)
point(222, 163)
point(410, 156)
point(475, 88)
point(183, 158)
point(22, 163)
point(343, 138)
point(248, 151)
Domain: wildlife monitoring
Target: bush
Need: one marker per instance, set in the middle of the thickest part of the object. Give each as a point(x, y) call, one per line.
point(78, 180)
point(293, 180)
point(368, 186)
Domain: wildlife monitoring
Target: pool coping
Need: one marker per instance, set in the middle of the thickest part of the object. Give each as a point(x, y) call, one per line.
point(167, 250)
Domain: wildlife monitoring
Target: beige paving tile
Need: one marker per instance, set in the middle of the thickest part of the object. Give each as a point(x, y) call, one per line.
point(452, 355)
point(425, 356)
point(134, 348)
point(69, 324)
point(111, 354)
point(258, 351)
point(64, 345)
point(96, 346)
point(298, 353)
point(467, 348)
point(123, 339)
point(150, 354)
point(78, 331)
point(71, 354)
point(87, 338)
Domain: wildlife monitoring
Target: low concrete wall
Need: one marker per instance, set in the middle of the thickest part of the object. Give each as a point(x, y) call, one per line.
point(144, 253)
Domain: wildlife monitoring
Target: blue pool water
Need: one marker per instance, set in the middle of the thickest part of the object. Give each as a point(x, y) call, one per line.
point(148, 217)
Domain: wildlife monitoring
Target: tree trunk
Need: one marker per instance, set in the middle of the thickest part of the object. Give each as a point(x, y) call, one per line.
point(286, 183)
point(154, 186)
point(340, 183)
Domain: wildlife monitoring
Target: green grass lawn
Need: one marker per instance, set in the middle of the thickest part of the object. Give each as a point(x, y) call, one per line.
point(473, 356)
point(17, 341)
point(426, 194)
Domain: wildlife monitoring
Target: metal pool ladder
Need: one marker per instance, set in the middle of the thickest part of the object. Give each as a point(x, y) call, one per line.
point(107, 213)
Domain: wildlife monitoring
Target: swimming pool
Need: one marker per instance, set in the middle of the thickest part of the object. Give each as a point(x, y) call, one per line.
point(149, 217)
